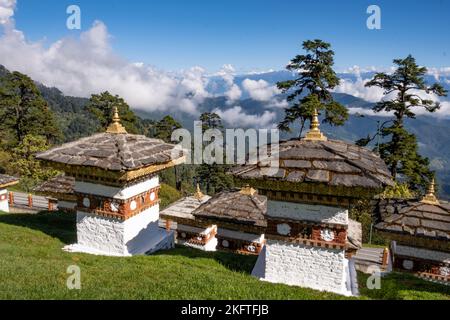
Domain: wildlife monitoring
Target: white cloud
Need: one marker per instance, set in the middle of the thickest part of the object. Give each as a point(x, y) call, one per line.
point(278, 103)
point(227, 73)
point(368, 112)
point(443, 111)
point(260, 90)
point(234, 93)
point(357, 88)
point(86, 65)
point(439, 72)
point(256, 72)
point(237, 117)
point(6, 11)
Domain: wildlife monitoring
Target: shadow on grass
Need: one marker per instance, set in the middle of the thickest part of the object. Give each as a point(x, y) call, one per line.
point(63, 227)
point(55, 224)
point(232, 261)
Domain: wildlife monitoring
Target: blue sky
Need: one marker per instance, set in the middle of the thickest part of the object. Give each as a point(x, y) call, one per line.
point(250, 34)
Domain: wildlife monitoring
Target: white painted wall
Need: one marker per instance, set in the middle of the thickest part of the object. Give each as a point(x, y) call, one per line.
point(4, 205)
point(101, 233)
point(134, 225)
point(300, 265)
point(111, 235)
point(115, 192)
point(307, 212)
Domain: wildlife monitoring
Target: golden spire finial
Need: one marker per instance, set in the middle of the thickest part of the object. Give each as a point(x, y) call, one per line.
point(198, 194)
point(116, 126)
point(430, 197)
point(247, 190)
point(314, 133)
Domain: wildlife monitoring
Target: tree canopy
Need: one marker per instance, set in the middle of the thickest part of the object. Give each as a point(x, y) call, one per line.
point(213, 176)
point(24, 112)
point(405, 91)
point(102, 107)
point(164, 128)
point(311, 89)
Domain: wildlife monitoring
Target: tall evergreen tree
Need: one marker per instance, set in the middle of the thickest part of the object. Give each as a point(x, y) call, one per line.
point(24, 112)
point(404, 90)
point(210, 120)
point(24, 163)
point(213, 176)
point(102, 107)
point(311, 89)
point(163, 129)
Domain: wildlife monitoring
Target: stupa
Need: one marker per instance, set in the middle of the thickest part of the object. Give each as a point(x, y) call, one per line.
point(309, 196)
point(419, 230)
point(230, 220)
point(5, 182)
point(116, 189)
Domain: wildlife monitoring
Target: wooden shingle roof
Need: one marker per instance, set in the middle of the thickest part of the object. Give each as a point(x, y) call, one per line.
point(6, 181)
point(236, 207)
point(113, 152)
point(63, 185)
point(331, 163)
point(414, 217)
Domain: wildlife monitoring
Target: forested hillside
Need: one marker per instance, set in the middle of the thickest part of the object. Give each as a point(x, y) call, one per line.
point(74, 120)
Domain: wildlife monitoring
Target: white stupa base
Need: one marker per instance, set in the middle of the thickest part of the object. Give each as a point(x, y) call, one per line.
point(146, 244)
point(111, 237)
point(78, 248)
point(210, 246)
point(311, 267)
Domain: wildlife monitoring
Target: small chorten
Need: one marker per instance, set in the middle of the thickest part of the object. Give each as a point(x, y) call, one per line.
point(116, 126)
point(198, 194)
point(247, 190)
point(309, 193)
point(116, 190)
point(430, 197)
point(314, 133)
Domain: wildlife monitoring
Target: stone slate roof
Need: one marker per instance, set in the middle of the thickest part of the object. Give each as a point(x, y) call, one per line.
point(6, 180)
point(332, 162)
point(234, 206)
point(58, 185)
point(114, 152)
point(183, 208)
point(415, 218)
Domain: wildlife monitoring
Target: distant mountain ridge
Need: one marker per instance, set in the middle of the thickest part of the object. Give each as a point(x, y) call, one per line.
point(433, 134)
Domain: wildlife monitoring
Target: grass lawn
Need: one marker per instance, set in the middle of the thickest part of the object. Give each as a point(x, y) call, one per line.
point(33, 266)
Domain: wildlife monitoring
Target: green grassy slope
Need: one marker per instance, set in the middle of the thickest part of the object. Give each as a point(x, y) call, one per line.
point(33, 266)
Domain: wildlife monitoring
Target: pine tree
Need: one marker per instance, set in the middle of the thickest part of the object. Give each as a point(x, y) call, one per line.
point(23, 111)
point(163, 129)
point(102, 107)
point(311, 90)
point(407, 87)
point(24, 163)
point(213, 176)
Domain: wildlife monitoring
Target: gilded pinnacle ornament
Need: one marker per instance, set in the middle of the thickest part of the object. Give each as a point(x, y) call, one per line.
point(198, 194)
point(116, 126)
point(247, 190)
point(314, 133)
point(430, 197)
